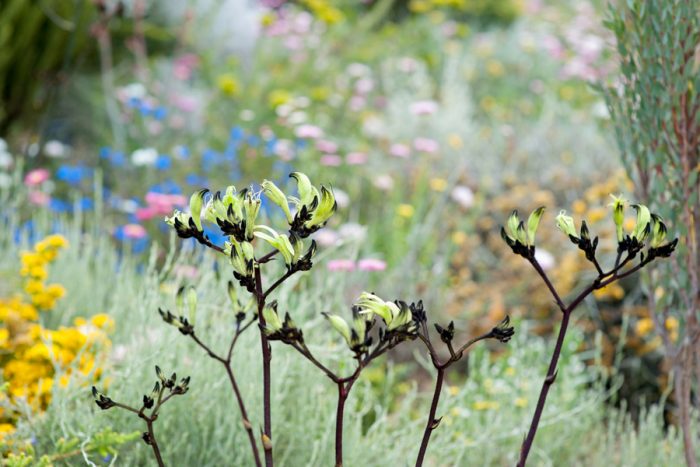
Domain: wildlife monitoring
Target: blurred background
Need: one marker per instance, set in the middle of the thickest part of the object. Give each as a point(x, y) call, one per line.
point(432, 120)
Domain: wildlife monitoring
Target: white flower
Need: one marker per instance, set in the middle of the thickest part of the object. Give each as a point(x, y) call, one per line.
point(5, 159)
point(146, 156)
point(463, 196)
point(55, 149)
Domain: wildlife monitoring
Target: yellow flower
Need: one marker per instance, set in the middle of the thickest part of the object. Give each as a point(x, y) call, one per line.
point(520, 402)
point(455, 141)
point(459, 238)
point(267, 19)
point(103, 321)
point(37, 272)
point(56, 241)
point(671, 323)
point(485, 405)
point(612, 291)
point(55, 290)
point(644, 326)
point(33, 287)
point(405, 210)
point(495, 68)
point(228, 85)
point(438, 184)
point(279, 97)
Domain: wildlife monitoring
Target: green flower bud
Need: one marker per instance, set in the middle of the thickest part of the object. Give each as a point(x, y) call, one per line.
point(251, 207)
point(371, 304)
point(643, 227)
point(566, 224)
point(512, 224)
point(196, 202)
point(658, 232)
point(340, 325)
point(280, 242)
point(401, 318)
point(532, 223)
point(307, 192)
point(277, 196)
point(325, 209)
point(273, 323)
point(618, 206)
point(521, 233)
point(232, 293)
point(241, 256)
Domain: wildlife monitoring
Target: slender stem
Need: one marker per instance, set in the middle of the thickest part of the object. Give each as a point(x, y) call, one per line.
point(339, 414)
point(244, 414)
point(278, 282)
point(548, 381)
point(432, 422)
point(267, 357)
point(302, 349)
point(546, 280)
point(153, 442)
point(236, 391)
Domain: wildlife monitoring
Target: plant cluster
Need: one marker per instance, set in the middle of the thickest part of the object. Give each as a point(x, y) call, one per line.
point(34, 358)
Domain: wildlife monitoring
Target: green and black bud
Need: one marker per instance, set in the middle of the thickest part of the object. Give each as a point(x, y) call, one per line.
point(503, 332)
point(446, 334)
point(101, 400)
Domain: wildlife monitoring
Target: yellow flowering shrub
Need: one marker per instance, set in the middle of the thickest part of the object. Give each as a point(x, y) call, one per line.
point(34, 359)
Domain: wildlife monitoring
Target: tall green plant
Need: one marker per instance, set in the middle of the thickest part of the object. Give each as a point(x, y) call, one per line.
point(655, 109)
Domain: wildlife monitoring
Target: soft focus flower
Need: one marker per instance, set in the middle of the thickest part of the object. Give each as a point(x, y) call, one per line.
point(438, 184)
point(356, 158)
point(39, 198)
point(329, 147)
point(463, 196)
point(134, 231)
point(400, 150)
point(424, 107)
point(55, 149)
point(331, 160)
point(405, 210)
point(308, 131)
point(545, 259)
point(384, 182)
point(371, 264)
point(36, 177)
point(146, 156)
point(427, 145)
point(341, 265)
point(228, 85)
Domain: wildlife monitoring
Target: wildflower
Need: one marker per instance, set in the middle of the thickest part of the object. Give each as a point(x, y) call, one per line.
point(341, 265)
point(356, 158)
point(276, 329)
point(371, 264)
point(146, 156)
point(643, 226)
point(331, 160)
point(427, 107)
point(400, 150)
point(313, 208)
point(308, 131)
point(405, 210)
point(463, 196)
point(357, 336)
point(426, 145)
point(134, 231)
point(36, 177)
point(566, 224)
point(228, 85)
point(396, 315)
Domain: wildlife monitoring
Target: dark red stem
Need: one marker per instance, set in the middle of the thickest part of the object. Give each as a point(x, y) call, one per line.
point(432, 422)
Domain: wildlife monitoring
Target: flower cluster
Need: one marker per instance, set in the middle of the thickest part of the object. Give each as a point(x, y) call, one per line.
point(236, 213)
point(35, 359)
point(34, 264)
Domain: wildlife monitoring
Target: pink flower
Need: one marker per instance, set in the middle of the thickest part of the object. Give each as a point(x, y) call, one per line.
point(356, 158)
point(357, 103)
point(371, 264)
point(326, 237)
point(329, 147)
point(400, 150)
point(331, 160)
point(341, 265)
point(144, 214)
point(36, 177)
point(426, 145)
point(424, 107)
point(184, 65)
point(134, 231)
point(39, 198)
point(308, 131)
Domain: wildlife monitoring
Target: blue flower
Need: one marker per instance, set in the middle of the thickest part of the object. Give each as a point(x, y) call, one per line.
point(72, 174)
point(117, 159)
point(253, 140)
point(134, 102)
point(160, 113)
point(163, 162)
point(105, 152)
point(196, 180)
point(167, 187)
point(59, 205)
point(86, 204)
point(210, 158)
point(237, 133)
